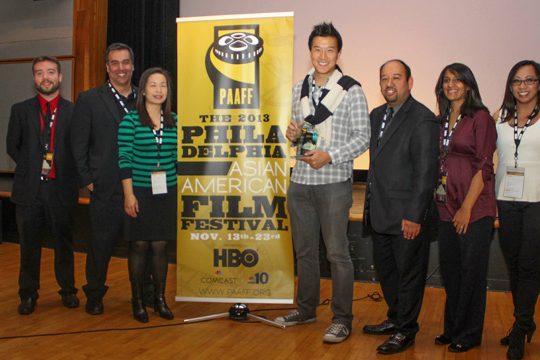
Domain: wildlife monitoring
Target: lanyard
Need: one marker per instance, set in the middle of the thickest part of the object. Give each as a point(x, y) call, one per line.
point(518, 135)
point(387, 117)
point(447, 135)
point(45, 117)
point(117, 96)
point(47, 121)
point(158, 135)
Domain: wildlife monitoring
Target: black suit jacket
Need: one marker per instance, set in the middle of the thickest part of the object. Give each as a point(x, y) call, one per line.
point(94, 137)
point(24, 147)
point(403, 167)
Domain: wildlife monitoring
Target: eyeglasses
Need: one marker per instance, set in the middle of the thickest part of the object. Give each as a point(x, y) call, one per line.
point(528, 82)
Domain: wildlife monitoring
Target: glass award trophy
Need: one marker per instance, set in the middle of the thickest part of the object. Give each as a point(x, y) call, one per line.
point(307, 140)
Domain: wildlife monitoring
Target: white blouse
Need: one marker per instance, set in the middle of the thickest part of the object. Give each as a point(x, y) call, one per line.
point(529, 158)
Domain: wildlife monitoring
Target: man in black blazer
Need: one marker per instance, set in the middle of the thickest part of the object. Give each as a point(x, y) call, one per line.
point(45, 182)
point(402, 177)
point(96, 117)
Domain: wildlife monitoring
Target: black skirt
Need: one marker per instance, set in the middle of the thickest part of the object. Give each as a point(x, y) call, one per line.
point(156, 220)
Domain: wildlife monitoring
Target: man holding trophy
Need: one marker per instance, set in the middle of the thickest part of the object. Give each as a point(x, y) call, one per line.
point(330, 128)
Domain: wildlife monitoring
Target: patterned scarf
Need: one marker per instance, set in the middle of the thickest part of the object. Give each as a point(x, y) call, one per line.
point(333, 93)
point(335, 89)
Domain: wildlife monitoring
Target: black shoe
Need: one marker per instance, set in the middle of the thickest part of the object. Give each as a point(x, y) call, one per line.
point(459, 348)
point(442, 340)
point(516, 342)
point(27, 306)
point(384, 328)
point(505, 340)
point(139, 311)
point(137, 302)
point(94, 307)
point(160, 306)
point(396, 343)
point(70, 300)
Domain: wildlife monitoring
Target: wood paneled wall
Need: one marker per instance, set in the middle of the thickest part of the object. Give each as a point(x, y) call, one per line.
point(89, 43)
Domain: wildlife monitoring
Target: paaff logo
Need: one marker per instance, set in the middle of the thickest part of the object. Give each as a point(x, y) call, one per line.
point(232, 64)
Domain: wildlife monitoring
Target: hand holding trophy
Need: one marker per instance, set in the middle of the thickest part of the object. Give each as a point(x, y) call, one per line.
point(307, 140)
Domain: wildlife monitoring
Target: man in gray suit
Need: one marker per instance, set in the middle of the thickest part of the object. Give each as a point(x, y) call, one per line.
point(402, 177)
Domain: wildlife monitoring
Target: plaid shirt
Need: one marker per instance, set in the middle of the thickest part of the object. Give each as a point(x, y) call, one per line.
point(350, 137)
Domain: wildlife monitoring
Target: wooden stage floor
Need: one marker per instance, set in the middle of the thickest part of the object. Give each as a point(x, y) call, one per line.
point(54, 332)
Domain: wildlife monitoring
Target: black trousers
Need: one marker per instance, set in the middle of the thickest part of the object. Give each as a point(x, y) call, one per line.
point(106, 223)
point(47, 210)
point(519, 237)
point(401, 267)
point(464, 264)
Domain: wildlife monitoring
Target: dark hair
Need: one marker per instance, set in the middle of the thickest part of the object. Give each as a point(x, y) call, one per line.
point(324, 30)
point(407, 68)
point(509, 101)
point(168, 120)
point(473, 100)
point(46, 58)
point(118, 46)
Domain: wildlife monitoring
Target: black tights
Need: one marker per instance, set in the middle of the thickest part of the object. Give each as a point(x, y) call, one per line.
point(138, 253)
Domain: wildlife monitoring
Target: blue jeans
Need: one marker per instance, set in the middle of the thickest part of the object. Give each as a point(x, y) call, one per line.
point(315, 209)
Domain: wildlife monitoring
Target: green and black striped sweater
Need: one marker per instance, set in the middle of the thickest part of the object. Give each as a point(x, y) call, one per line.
point(138, 151)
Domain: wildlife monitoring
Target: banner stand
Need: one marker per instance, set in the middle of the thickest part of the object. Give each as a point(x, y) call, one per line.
point(234, 243)
point(237, 312)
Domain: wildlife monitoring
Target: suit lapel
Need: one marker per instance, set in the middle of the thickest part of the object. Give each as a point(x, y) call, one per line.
point(110, 102)
point(397, 122)
point(60, 120)
point(33, 117)
point(375, 130)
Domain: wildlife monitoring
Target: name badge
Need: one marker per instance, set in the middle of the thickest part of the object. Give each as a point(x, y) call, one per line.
point(159, 182)
point(440, 193)
point(514, 182)
point(45, 167)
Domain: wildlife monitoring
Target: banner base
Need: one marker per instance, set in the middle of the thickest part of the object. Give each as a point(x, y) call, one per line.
point(237, 312)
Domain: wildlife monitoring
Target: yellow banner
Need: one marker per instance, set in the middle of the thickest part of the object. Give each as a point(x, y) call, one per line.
point(234, 104)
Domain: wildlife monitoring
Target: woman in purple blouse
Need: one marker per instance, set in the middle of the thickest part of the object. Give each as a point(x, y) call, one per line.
point(466, 202)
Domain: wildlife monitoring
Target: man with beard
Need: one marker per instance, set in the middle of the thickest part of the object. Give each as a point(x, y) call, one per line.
point(96, 117)
point(44, 185)
point(402, 176)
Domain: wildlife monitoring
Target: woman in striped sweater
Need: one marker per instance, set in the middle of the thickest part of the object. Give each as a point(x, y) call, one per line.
point(147, 146)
